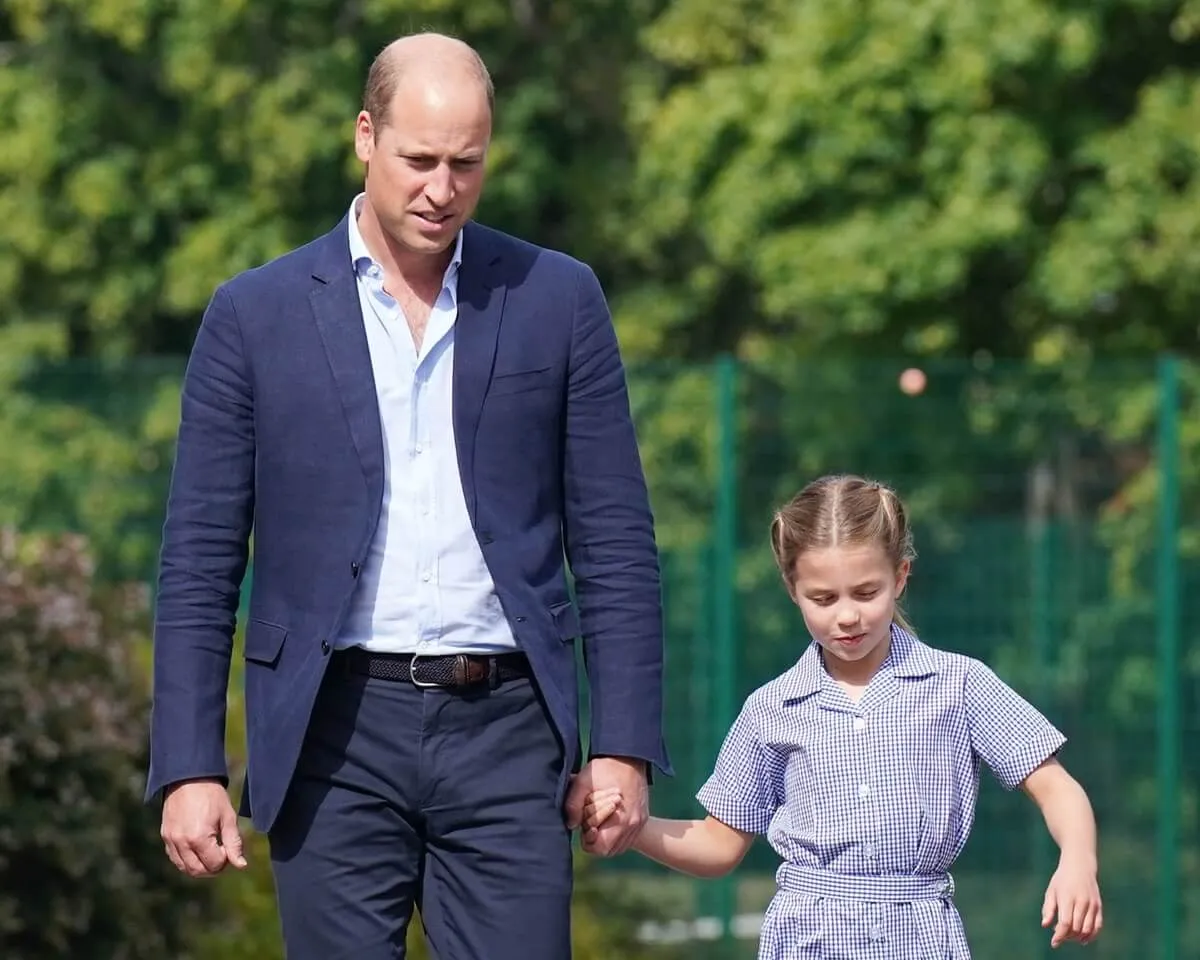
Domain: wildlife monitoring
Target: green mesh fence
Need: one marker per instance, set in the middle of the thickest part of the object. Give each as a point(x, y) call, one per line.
point(1054, 516)
point(1055, 519)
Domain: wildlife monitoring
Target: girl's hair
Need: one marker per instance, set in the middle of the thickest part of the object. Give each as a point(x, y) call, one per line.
point(838, 511)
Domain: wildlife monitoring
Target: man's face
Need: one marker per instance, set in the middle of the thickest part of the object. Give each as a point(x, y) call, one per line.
point(425, 165)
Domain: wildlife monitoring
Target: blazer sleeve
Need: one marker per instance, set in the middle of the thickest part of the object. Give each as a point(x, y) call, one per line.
point(203, 555)
point(609, 540)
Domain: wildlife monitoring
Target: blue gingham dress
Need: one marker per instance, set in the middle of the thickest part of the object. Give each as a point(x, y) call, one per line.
point(870, 803)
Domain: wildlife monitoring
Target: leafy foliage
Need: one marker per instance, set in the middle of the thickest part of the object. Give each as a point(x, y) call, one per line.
point(152, 149)
point(82, 869)
point(919, 177)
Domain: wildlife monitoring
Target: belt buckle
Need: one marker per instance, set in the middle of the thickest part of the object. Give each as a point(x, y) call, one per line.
point(412, 675)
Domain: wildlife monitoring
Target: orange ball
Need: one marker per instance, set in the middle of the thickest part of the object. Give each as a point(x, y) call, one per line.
point(912, 381)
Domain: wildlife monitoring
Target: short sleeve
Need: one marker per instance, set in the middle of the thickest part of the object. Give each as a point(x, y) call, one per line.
point(1007, 732)
point(745, 786)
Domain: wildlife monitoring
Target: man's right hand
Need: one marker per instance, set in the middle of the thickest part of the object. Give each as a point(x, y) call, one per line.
point(199, 828)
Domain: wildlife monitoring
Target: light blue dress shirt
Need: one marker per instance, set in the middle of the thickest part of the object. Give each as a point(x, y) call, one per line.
point(425, 587)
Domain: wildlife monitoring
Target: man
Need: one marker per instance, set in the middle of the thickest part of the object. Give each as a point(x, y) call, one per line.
point(418, 416)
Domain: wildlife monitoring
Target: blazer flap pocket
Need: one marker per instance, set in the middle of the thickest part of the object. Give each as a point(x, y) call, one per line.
point(264, 641)
point(566, 621)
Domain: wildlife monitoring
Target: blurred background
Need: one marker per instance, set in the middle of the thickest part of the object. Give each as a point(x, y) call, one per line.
point(952, 245)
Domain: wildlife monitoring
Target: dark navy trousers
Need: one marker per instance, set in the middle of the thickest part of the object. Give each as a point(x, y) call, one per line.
point(443, 800)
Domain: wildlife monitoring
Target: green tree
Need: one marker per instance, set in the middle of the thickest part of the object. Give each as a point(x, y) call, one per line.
point(153, 149)
point(917, 177)
point(82, 869)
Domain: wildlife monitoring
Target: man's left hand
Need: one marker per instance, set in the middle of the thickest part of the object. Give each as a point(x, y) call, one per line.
point(615, 835)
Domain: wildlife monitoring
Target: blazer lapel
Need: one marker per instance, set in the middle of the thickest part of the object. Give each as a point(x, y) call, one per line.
point(481, 297)
point(338, 313)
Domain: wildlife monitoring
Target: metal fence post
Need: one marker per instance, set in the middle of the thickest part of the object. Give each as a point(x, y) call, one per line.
point(1042, 589)
point(724, 685)
point(1169, 721)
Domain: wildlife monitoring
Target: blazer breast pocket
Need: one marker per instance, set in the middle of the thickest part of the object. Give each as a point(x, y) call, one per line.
point(522, 381)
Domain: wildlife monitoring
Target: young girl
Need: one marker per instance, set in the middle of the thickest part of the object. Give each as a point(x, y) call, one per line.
point(861, 763)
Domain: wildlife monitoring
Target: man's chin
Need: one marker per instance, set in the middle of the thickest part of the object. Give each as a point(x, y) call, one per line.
point(428, 246)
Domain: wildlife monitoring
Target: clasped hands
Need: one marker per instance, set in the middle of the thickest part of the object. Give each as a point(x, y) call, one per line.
point(608, 802)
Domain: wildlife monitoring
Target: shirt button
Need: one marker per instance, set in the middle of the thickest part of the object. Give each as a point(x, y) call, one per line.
point(425, 577)
point(860, 724)
point(419, 448)
point(869, 850)
point(877, 933)
point(864, 791)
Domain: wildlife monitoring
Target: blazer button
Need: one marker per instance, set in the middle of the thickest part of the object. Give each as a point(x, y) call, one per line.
point(354, 570)
point(325, 646)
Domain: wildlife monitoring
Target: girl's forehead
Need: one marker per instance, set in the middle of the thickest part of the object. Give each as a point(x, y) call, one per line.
point(839, 563)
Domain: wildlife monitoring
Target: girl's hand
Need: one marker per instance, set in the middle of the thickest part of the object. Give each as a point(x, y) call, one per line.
point(1074, 895)
point(598, 807)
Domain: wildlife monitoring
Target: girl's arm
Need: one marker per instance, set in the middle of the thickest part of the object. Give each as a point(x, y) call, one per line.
point(1066, 810)
point(1073, 893)
point(701, 848)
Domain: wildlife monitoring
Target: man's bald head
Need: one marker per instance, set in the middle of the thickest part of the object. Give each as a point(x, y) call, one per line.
point(430, 57)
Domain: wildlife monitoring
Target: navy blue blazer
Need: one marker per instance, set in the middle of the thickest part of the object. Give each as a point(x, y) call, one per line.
point(280, 438)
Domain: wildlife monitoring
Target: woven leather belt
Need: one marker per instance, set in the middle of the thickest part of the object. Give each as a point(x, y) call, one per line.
point(448, 672)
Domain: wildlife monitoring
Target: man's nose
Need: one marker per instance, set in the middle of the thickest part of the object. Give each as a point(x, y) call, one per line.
point(439, 188)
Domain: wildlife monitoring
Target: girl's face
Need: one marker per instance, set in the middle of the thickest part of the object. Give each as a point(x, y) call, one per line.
point(848, 598)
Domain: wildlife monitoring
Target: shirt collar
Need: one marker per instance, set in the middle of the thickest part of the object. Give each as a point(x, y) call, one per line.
point(361, 257)
point(908, 657)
